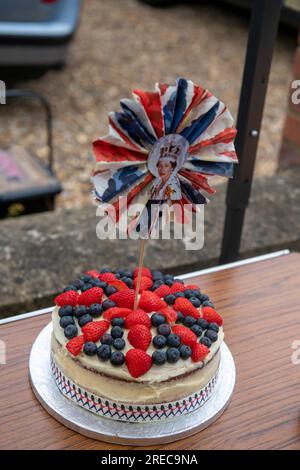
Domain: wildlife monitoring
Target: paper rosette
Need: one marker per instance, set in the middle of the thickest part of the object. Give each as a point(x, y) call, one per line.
point(147, 129)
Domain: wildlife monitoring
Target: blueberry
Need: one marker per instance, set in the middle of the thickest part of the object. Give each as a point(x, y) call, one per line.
point(78, 283)
point(173, 355)
point(189, 321)
point(104, 352)
point(106, 339)
point(158, 283)
point(159, 341)
point(84, 319)
point(118, 275)
point(86, 278)
point(159, 357)
point(197, 293)
point(185, 351)
point(212, 335)
point(214, 327)
point(128, 281)
point(108, 304)
point(97, 283)
point(195, 301)
point(204, 298)
point(173, 340)
point(70, 331)
point(116, 332)
point(188, 293)
point(128, 273)
point(206, 341)
point(117, 358)
point(169, 276)
point(197, 330)
point(208, 303)
point(178, 280)
point(179, 294)
point(95, 310)
point(70, 287)
point(170, 299)
point(157, 319)
point(118, 322)
point(66, 320)
point(119, 343)
point(203, 323)
point(66, 310)
point(169, 282)
point(80, 310)
point(157, 275)
point(86, 287)
point(101, 284)
point(105, 270)
point(180, 317)
point(164, 329)
point(90, 348)
point(109, 290)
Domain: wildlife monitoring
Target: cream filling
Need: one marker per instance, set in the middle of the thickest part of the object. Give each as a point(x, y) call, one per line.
point(133, 392)
point(155, 374)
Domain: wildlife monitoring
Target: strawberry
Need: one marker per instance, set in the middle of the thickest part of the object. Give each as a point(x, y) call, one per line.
point(199, 352)
point(138, 362)
point(91, 296)
point(163, 290)
point(192, 287)
point(107, 277)
point(145, 284)
point(120, 285)
point(124, 298)
point(94, 330)
point(93, 273)
point(139, 336)
point(209, 314)
point(75, 345)
point(150, 302)
point(145, 272)
point(185, 334)
point(116, 312)
point(186, 307)
point(170, 314)
point(67, 298)
point(177, 287)
point(137, 317)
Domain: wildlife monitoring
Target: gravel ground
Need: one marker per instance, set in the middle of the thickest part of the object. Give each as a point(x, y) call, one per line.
point(121, 45)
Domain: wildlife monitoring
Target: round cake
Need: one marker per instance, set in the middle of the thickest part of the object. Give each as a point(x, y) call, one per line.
point(158, 361)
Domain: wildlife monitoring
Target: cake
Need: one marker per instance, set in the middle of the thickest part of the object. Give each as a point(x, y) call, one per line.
point(153, 363)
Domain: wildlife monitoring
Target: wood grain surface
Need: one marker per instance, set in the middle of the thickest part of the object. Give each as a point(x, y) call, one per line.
point(260, 304)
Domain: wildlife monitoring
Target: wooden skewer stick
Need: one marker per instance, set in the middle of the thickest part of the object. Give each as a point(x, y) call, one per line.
point(141, 259)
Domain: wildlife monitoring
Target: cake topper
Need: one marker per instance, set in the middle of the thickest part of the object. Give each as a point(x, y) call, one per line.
point(160, 150)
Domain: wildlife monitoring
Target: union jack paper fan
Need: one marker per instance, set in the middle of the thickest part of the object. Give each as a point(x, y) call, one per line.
point(163, 145)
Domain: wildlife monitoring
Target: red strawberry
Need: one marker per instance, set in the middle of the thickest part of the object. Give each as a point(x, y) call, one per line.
point(192, 287)
point(94, 330)
point(120, 285)
point(93, 273)
point(116, 312)
point(137, 317)
point(212, 316)
point(67, 298)
point(107, 277)
point(177, 287)
point(150, 302)
point(91, 296)
point(145, 272)
point(124, 298)
point(138, 362)
point(199, 352)
point(163, 290)
point(74, 346)
point(185, 334)
point(186, 307)
point(145, 284)
point(170, 314)
point(139, 336)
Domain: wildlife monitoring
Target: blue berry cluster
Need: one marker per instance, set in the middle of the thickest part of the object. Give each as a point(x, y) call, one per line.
point(193, 295)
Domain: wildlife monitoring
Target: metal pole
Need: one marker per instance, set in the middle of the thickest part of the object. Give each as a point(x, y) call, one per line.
point(261, 41)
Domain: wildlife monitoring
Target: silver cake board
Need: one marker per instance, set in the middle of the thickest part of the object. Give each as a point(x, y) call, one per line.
point(116, 432)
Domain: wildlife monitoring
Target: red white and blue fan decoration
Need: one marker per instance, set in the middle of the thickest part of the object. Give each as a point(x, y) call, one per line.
point(162, 147)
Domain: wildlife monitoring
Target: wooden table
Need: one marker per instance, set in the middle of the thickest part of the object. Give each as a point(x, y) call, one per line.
point(260, 303)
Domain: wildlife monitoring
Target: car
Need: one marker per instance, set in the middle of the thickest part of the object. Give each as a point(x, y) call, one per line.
point(36, 32)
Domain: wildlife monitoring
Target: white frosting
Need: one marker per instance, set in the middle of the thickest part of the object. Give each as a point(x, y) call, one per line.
point(155, 375)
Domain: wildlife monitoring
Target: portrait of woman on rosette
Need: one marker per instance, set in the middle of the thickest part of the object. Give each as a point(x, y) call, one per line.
point(165, 162)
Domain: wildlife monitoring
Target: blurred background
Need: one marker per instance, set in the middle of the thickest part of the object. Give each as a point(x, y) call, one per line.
point(78, 58)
